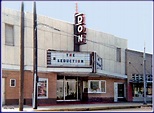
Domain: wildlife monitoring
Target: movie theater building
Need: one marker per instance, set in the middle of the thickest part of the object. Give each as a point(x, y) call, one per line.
point(75, 63)
point(135, 80)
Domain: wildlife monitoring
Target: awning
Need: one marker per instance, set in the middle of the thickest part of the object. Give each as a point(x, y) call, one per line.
point(110, 74)
point(72, 71)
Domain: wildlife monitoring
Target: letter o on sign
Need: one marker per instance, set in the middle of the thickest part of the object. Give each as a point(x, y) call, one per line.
point(80, 28)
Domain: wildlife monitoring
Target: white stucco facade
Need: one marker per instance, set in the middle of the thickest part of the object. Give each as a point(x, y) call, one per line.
point(57, 40)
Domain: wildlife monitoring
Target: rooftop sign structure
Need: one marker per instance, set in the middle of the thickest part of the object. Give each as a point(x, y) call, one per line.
point(79, 30)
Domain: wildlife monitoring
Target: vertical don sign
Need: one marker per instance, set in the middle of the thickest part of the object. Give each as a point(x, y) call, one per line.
point(79, 31)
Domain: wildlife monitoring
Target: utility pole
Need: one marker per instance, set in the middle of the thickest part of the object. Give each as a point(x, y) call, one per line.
point(153, 77)
point(35, 80)
point(21, 77)
point(144, 76)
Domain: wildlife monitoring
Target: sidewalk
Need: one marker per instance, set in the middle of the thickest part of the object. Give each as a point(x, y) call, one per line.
point(75, 107)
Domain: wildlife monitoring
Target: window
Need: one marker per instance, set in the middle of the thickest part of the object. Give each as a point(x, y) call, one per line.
point(43, 88)
point(9, 35)
point(149, 78)
point(138, 90)
point(12, 82)
point(139, 78)
point(118, 54)
point(96, 86)
point(149, 89)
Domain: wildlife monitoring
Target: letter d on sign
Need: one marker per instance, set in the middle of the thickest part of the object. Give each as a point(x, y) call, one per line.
point(80, 18)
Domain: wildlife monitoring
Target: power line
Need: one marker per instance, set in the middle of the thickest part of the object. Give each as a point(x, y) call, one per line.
point(67, 34)
point(107, 45)
point(100, 43)
point(137, 69)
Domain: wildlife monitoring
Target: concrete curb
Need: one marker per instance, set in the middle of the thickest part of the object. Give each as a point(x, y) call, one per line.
point(147, 105)
point(90, 108)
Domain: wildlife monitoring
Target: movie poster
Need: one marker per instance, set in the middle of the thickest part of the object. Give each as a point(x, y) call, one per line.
point(42, 88)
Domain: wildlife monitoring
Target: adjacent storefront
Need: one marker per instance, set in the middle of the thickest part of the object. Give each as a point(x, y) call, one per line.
point(135, 80)
point(138, 87)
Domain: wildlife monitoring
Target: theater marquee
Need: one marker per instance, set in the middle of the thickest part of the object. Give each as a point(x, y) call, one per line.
point(97, 62)
point(68, 59)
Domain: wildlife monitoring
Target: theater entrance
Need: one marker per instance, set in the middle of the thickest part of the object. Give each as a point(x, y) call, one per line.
point(68, 88)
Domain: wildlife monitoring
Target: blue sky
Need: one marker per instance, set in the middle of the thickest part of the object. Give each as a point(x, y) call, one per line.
point(132, 20)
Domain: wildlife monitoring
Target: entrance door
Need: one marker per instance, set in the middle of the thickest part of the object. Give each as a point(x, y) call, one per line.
point(120, 90)
point(70, 89)
point(3, 91)
point(60, 89)
point(67, 88)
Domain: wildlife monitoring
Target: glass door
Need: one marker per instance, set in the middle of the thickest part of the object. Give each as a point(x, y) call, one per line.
point(70, 89)
point(60, 90)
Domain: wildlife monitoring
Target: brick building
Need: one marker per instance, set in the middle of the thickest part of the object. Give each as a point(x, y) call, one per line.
point(95, 73)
